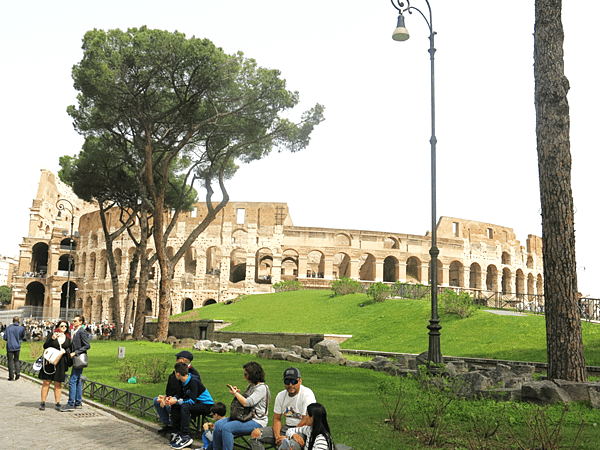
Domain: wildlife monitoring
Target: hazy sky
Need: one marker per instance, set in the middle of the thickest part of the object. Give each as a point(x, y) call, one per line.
point(368, 165)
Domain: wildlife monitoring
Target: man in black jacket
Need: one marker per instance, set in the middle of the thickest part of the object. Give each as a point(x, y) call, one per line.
point(81, 344)
point(163, 408)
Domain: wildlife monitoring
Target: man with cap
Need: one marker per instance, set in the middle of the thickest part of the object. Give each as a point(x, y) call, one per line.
point(290, 403)
point(161, 403)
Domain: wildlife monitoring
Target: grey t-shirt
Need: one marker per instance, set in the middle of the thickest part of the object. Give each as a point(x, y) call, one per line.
point(258, 399)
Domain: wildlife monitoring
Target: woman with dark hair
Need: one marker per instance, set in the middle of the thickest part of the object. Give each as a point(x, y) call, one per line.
point(60, 339)
point(256, 396)
point(316, 430)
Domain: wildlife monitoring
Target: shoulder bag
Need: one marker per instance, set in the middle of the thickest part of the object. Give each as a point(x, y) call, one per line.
point(245, 413)
point(80, 361)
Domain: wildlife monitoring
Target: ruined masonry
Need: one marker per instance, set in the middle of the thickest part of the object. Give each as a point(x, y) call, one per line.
point(251, 246)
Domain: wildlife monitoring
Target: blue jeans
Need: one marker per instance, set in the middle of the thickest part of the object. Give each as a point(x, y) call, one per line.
point(225, 429)
point(75, 394)
point(164, 414)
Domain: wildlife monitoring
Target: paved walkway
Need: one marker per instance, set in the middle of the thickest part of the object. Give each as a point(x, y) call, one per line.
point(23, 426)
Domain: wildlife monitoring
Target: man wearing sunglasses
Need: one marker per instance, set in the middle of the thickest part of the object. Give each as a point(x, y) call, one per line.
point(81, 344)
point(290, 403)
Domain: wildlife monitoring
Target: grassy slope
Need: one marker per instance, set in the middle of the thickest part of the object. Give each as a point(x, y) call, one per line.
point(394, 325)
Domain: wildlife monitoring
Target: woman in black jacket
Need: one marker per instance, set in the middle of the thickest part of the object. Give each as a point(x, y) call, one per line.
point(60, 339)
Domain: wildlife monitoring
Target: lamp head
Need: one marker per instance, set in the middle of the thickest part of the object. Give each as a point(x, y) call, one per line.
point(400, 33)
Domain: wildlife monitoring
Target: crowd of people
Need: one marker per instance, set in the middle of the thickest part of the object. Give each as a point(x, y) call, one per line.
point(38, 330)
point(299, 422)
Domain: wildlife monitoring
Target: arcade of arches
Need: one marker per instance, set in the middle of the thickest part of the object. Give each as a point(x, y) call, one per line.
point(251, 246)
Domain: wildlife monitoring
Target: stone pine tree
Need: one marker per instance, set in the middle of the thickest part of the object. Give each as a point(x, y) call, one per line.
point(172, 102)
point(563, 326)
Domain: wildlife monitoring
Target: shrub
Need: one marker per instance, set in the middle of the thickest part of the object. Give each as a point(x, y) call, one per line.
point(457, 303)
point(127, 368)
point(156, 368)
point(345, 286)
point(289, 285)
point(379, 291)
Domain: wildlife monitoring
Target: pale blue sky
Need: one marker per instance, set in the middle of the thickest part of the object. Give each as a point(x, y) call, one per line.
point(368, 164)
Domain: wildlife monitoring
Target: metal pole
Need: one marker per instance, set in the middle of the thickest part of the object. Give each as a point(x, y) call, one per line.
point(434, 353)
point(71, 210)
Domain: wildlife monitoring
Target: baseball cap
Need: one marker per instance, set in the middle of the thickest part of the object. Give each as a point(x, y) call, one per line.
point(185, 354)
point(291, 373)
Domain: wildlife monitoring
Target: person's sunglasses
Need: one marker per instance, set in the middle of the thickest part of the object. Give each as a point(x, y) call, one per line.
point(62, 326)
point(289, 381)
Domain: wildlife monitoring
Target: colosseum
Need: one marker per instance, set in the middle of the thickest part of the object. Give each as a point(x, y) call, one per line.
point(250, 247)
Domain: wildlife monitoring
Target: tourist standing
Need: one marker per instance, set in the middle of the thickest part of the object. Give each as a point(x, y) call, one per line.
point(60, 340)
point(80, 345)
point(13, 335)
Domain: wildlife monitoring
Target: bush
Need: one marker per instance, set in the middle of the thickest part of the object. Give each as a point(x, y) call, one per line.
point(289, 285)
point(457, 303)
point(156, 368)
point(127, 368)
point(379, 291)
point(345, 286)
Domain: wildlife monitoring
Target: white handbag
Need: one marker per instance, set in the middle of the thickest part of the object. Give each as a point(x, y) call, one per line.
point(52, 355)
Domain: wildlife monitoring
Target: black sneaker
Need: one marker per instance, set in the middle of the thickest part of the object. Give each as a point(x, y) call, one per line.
point(57, 407)
point(174, 438)
point(67, 408)
point(184, 441)
point(42, 406)
point(17, 376)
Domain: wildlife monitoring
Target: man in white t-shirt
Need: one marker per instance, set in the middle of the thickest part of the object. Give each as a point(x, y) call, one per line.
point(290, 403)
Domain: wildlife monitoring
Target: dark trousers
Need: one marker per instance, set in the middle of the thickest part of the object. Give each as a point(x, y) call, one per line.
point(14, 365)
point(181, 416)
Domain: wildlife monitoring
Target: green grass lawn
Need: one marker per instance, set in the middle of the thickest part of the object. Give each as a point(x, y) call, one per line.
point(394, 325)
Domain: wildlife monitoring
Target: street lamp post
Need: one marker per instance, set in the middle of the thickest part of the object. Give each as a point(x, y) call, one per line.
point(61, 205)
point(434, 353)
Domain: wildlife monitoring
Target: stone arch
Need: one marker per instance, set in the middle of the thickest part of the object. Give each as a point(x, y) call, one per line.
point(289, 264)
point(440, 272)
point(39, 258)
point(93, 265)
point(540, 285)
point(264, 266)
point(391, 269)
point(210, 301)
point(520, 282)
point(506, 280)
point(391, 242)
point(506, 258)
point(35, 294)
point(118, 255)
point(190, 261)
point(341, 265)
point(187, 304)
point(456, 274)
point(94, 240)
point(342, 240)
point(491, 278)
point(65, 243)
point(530, 284)
point(148, 310)
point(475, 276)
point(213, 260)
point(366, 267)
point(72, 294)
point(413, 270)
point(239, 237)
point(63, 263)
point(315, 264)
point(237, 265)
point(529, 264)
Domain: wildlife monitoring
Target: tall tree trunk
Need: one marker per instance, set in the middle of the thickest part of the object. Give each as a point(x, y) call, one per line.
point(114, 277)
point(131, 282)
point(138, 328)
point(563, 326)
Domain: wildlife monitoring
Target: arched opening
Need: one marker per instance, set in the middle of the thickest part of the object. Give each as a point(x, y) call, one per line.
point(210, 301)
point(530, 262)
point(39, 258)
point(413, 270)
point(72, 287)
point(391, 242)
point(289, 265)
point(315, 264)
point(456, 274)
point(148, 307)
point(366, 267)
point(94, 240)
point(264, 266)
point(391, 269)
point(92, 265)
point(187, 305)
point(190, 261)
point(491, 278)
point(82, 267)
point(475, 276)
point(506, 281)
point(341, 266)
point(64, 244)
point(520, 286)
point(237, 266)
point(505, 258)
point(530, 284)
point(35, 294)
point(64, 266)
point(213, 261)
point(540, 285)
